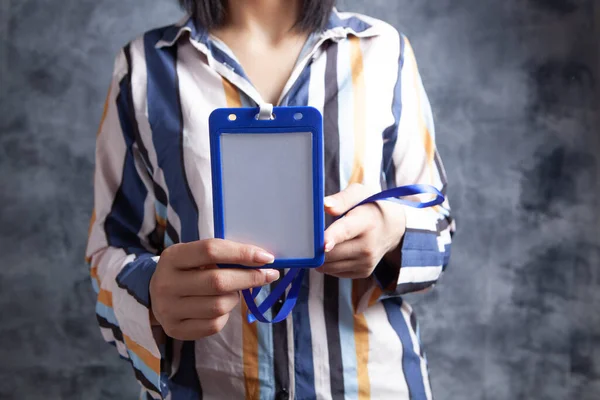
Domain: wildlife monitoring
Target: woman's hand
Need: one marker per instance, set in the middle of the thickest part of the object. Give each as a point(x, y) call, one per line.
point(191, 297)
point(356, 243)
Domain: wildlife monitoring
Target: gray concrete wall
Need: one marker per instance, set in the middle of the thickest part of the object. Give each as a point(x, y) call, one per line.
point(515, 89)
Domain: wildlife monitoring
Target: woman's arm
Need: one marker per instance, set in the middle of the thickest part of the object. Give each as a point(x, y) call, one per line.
point(404, 249)
point(410, 156)
point(124, 236)
point(191, 297)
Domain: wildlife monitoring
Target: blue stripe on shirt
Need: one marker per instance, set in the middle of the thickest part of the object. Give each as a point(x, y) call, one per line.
point(390, 134)
point(107, 313)
point(185, 384)
point(421, 249)
point(303, 347)
point(166, 121)
point(265, 351)
point(411, 362)
point(141, 366)
point(127, 213)
point(165, 117)
point(356, 24)
point(347, 343)
point(135, 278)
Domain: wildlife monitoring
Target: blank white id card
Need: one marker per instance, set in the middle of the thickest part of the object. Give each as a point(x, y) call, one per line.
point(267, 179)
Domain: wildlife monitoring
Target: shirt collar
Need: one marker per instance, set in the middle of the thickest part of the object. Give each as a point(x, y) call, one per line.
point(339, 26)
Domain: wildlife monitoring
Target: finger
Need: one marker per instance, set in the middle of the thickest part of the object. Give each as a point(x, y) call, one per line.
point(354, 275)
point(350, 250)
point(347, 228)
point(353, 269)
point(220, 281)
point(217, 251)
point(204, 307)
point(339, 267)
point(193, 329)
point(341, 202)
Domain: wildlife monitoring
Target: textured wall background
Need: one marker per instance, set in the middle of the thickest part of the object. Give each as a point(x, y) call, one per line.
point(515, 89)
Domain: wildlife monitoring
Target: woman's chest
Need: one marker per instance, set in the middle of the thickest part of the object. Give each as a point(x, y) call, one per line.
point(354, 117)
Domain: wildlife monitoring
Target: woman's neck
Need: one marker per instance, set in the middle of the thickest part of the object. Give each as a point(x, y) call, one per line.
point(269, 20)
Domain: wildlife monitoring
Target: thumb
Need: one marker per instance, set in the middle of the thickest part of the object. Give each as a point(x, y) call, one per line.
point(337, 204)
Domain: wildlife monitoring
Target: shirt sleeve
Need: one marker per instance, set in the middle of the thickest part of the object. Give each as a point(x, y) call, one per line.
point(410, 156)
point(123, 243)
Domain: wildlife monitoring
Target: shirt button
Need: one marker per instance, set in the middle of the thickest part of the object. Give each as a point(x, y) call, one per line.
point(283, 394)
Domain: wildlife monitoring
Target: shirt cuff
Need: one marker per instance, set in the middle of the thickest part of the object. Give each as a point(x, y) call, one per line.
point(135, 277)
point(131, 300)
point(421, 258)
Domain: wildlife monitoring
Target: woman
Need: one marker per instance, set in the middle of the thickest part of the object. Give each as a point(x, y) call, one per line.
point(161, 300)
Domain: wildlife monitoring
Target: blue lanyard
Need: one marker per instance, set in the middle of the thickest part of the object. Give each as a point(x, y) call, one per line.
point(295, 276)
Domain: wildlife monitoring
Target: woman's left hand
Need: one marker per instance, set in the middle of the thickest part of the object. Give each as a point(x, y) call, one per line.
point(356, 243)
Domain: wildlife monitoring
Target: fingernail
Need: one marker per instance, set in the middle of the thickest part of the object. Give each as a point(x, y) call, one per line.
point(329, 246)
point(264, 257)
point(272, 275)
point(329, 202)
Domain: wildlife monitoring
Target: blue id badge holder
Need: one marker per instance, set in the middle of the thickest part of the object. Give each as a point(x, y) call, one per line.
point(267, 173)
point(268, 190)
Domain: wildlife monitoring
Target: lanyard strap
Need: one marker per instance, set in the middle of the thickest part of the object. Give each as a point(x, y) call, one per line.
point(295, 276)
point(256, 313)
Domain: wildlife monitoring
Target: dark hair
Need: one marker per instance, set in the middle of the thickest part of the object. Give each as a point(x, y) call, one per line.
point(211, 13)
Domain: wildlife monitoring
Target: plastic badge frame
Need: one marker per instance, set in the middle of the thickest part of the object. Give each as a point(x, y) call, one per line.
point(246, 121)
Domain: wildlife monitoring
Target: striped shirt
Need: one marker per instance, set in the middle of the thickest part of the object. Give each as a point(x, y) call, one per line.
point(345, 339)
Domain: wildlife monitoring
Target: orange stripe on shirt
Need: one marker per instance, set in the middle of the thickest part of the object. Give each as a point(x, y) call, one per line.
point(361, 330)
point(148, 358)
point(359, 94)
point(375, 295)
point(250, 349)
point(160, 220)
point(94, 274)
point(249, 331)
point(232, 94)
point(105, 297)
point(361, 342)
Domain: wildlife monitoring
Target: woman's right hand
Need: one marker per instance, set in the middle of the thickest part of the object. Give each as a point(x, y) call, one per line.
point(191, 297)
